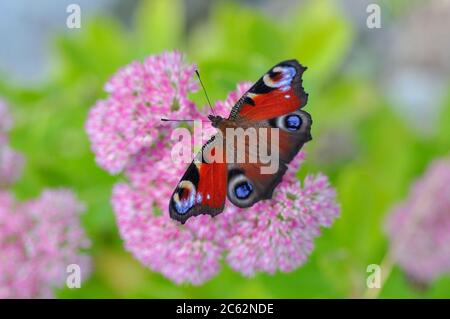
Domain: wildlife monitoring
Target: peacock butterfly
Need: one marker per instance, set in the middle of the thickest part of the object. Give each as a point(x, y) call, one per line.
point(274, 102)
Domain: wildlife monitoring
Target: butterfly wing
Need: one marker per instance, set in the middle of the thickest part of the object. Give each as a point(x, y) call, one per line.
point(278, 92)
point(202, 189)
point(274, 101)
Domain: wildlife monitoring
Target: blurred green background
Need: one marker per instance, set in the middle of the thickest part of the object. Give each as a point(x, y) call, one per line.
point(381, 114)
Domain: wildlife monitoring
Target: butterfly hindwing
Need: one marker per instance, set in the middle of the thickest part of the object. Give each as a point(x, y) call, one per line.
point(293, 131)
point(246, 185)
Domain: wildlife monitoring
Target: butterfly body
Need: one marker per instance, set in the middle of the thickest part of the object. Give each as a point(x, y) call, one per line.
point(270, 113)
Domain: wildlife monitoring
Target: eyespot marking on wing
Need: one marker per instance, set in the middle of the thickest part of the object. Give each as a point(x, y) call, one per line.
point(292, 122)
point(185, 197)
point(243, 190)
point(281, 77)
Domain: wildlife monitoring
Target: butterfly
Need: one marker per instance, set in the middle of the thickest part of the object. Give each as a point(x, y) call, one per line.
point(274, 101)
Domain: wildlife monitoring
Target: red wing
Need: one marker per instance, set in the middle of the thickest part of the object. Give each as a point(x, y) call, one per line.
point(250, 182)
point(277, 93)
point(201, 190)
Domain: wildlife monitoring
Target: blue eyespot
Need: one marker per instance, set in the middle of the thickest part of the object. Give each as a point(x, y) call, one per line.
point(182, 206)
point(292, 122)
point(243, 190)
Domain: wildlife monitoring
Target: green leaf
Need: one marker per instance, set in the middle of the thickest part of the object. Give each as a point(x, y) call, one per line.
point(319, 36)
point(159, 25)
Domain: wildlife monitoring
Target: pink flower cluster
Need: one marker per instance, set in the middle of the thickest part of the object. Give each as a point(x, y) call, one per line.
point(11, 162)
point(275, 235)
point(5, 121)
point(139, 95)
point(279, 234)
point(38, 238)
point(419, 228)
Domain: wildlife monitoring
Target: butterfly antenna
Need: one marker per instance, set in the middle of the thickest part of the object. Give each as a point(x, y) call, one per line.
point(206, 94)
point(176, 120)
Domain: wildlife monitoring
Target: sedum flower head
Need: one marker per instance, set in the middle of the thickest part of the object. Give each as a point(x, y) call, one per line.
point(181, 253)
point(11, 162)
point(38, 240)
point(419, 227)
point(140, 94)
point(5, 121)
point(279, 234)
